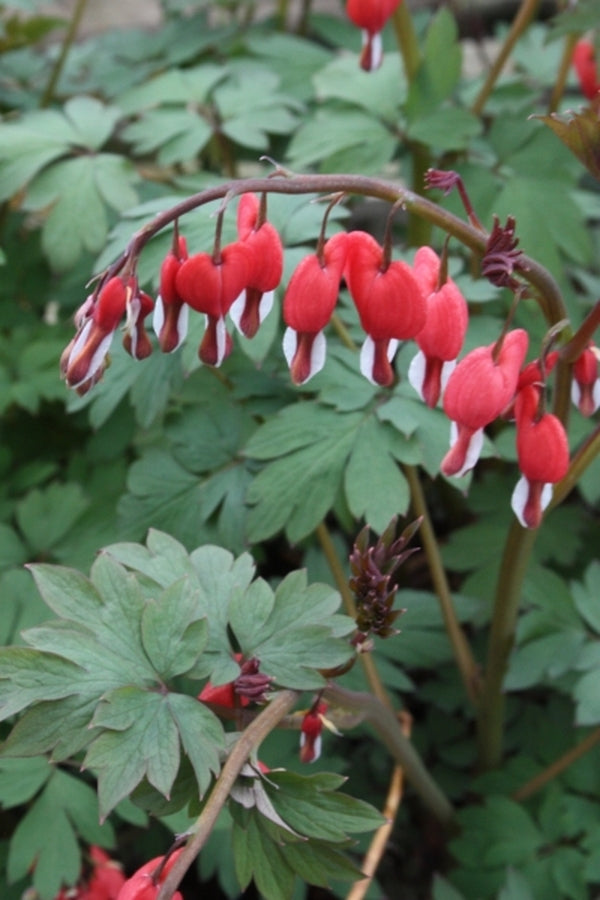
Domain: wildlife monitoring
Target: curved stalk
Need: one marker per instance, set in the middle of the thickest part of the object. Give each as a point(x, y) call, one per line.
point(548, 293)
point(402, 750)
point(250, 738)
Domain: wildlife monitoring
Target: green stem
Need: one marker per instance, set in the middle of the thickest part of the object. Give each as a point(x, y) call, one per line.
point(513, 566)
point(282, 11)
point(408, 43)
point(582, 458)
point(559, 765)
point(563, 71)
point(402, 750)
point(524, 16)
point(419, 230)
point(250, 738)
point(55, 74)
point(465, 660)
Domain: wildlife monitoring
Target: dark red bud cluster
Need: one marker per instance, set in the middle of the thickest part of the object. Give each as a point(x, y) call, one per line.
point(374, 569)
point(501, 255)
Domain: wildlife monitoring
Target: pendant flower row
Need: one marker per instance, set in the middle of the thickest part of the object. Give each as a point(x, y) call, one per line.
point(395, 302)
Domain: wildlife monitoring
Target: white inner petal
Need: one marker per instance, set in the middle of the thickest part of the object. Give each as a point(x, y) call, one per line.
point(158, 316)
point(416, 373)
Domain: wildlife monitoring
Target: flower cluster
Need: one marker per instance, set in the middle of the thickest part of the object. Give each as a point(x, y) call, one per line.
point(395, 301)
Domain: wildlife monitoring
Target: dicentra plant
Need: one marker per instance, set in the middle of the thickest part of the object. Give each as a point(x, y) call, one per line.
point(338, 505)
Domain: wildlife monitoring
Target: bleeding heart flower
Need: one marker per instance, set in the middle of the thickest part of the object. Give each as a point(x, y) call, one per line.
point(441, 338)
point(266, 267)
point(371, 16)
point(310, 733)
point(171, 313)
point(146, 882)
point(136, 340)
point(389, 302)
point(543, 454)
point(85, 358)
point(210, 286)
point(478, 390)
point(584, 63)
point(309, 301)
point(585, 387)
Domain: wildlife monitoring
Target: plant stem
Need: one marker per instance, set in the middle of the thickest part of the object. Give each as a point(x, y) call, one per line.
point(563, 70)
point(490, 724)
point(341, 579)
point(559, 765)
point(524, 16)
point(582, 458)
point(402, 750)
point(382, 835)
point(407, 41)
point(465, 660)
point(250, 738)
point(419, 230)
point(67, 43)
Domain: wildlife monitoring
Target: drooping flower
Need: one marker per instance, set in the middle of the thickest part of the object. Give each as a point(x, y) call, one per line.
point(585, 387)
point(481, 386)
point(256, 300)
point(441, 338)
point(389, 302)
point(308, 303)
point(535, 374)
point(310, 732)
point(146, 882)
point(85, 357)
point(371, 16)
point(107, 877)
point(171, 313)
point(209, 283)
point(136, 340)
point(543, 455)
point(584, 63)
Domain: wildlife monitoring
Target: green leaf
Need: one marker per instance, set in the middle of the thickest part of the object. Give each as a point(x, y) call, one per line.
point(375, 487)
point(172, 634)
point(328, 137)
point(380, 92)
point(585, 596)
point(92, 121)
point(296, 490)
point(45, 516)
point(294, 632)
point(71, 807)
point(33, 676)
point(438, 75)
point(445, 129)
point(274, 856)
point(21, 779)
